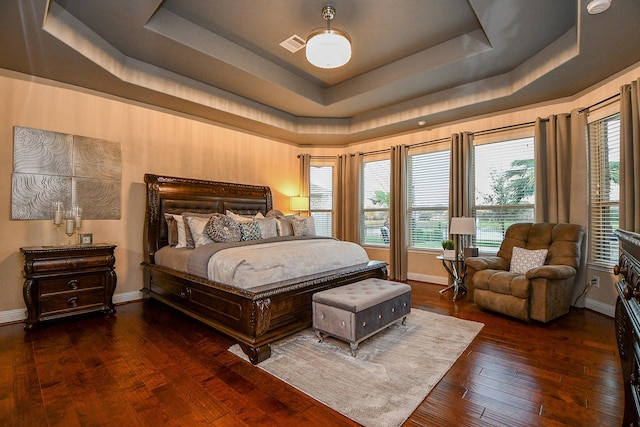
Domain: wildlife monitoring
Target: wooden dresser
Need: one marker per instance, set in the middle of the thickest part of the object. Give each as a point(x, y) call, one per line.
point(63, 281)
point(628, 322)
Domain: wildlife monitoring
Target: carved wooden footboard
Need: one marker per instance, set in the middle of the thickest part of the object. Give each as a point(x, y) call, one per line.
point(256, 317)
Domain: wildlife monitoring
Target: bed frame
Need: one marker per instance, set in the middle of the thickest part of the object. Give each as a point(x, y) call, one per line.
point(256, 317)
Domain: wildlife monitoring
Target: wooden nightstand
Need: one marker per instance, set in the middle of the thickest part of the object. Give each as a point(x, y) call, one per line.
point(63, 281)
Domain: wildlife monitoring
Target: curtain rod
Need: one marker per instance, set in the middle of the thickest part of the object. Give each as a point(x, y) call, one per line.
point(435, 141)
point(494, 130)
point(612, 97)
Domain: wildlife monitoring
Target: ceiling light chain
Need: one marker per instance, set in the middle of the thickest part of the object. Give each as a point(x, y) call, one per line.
point(326, 47)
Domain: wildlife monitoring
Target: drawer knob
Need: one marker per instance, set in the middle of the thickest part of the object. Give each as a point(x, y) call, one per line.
point(619, 270)
point(73, 284)
point(72, 302)
point(185, 292)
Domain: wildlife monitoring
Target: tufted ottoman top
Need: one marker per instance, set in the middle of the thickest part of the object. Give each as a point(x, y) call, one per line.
point(359, 296)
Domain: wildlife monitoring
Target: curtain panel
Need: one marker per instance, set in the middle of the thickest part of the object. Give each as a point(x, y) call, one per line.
point(398, 214)
point(460, 202)
point(562, 192)
point(630, 156)
point(348, 197)
point(305, 175)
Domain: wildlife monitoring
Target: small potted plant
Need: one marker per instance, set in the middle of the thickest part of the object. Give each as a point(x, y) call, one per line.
point(448, 249)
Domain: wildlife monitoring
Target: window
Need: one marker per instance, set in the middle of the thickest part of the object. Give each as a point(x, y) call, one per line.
point(428, 195)
point(321, 198)
point(504, 189)
point(604, 194)
point(376, 177)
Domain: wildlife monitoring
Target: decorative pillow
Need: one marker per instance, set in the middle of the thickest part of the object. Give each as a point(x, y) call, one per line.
point(188, 233)
point(222, 228)
point(285, 226)
point(304, 226)
point(523, 260)
point(268, 227)
point(181, 229)
point(249, 230)
point(198, 225)
point(172, 229)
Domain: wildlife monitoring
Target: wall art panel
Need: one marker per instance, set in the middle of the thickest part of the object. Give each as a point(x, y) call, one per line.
point(76, 170)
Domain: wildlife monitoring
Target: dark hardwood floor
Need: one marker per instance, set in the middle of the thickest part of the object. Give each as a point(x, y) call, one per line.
point(152, 366)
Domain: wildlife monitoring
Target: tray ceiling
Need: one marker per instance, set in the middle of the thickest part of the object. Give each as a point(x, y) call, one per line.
point(416, 60)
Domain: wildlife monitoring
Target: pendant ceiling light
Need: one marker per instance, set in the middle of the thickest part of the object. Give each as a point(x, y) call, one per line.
point(328, 47)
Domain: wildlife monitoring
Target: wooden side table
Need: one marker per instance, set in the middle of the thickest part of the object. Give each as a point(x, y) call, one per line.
point(62, 281)
point(456, 269)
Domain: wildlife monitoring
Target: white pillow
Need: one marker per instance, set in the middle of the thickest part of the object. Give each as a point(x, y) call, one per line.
point(523, 260)
point(239, 218)
point(285, 226)
point(182, 232)
point(198, 225)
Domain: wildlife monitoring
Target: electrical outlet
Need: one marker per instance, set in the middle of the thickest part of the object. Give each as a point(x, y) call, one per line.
point(595, 281)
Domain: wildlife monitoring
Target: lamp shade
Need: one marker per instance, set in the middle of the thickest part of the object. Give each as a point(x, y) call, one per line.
point(299, 203)
point(328, 48)
point(462, 226)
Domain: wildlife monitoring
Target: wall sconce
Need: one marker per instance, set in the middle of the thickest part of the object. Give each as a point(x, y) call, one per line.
point(299, 204)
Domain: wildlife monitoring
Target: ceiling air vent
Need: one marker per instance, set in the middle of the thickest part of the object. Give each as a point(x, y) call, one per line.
point(293, 43)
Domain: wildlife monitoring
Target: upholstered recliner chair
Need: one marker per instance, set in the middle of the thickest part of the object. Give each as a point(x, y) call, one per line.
point(513, 283)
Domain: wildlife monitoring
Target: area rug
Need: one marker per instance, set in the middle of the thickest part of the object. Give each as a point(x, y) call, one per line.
point(388, 378)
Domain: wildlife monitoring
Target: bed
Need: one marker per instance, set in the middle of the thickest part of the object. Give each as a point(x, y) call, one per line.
point(256, 316)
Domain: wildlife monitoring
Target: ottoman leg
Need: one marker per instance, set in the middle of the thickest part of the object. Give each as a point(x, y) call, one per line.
point(404, 320)
point(354, 348)
point(320, 335)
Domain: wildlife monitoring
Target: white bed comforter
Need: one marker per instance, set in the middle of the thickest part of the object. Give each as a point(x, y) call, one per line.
point(249, 266)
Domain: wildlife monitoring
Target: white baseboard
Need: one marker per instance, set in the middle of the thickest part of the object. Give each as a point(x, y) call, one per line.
point(13, 316)
point(600, 307)
point(438, 280)
point(127, 297)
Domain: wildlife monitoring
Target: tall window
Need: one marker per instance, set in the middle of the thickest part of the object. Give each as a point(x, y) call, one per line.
point(321, 198)
point(376, 183)
point(504, 188)
point(428, 195)
point(604, 161)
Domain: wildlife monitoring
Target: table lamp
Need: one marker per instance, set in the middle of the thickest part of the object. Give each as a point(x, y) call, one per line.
point(463, 227)
point(299, 204)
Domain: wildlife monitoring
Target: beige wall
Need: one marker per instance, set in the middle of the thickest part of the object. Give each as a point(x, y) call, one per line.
point(159, 142)
point(151, 141)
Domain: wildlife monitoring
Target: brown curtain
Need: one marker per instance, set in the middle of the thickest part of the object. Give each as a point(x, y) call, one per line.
point(460, 202)
point(398, 214)
point(630, 157)
point(348, 197)
point(561, 168)
point(305, 175)
point(562, 194)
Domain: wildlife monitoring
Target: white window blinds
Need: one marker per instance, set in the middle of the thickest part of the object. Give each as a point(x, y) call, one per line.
point(504, 189)
point(321, 198)
point(604, 163)
point(428, 196)
point(375, 191)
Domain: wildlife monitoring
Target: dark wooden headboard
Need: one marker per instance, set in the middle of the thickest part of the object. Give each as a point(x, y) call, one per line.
point(166, 194)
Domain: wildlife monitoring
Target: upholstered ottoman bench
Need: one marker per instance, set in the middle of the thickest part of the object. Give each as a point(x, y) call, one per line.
point(357, 311)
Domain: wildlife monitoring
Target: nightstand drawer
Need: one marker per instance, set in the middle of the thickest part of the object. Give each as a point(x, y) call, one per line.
point(71, 283)
point(75, 300)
